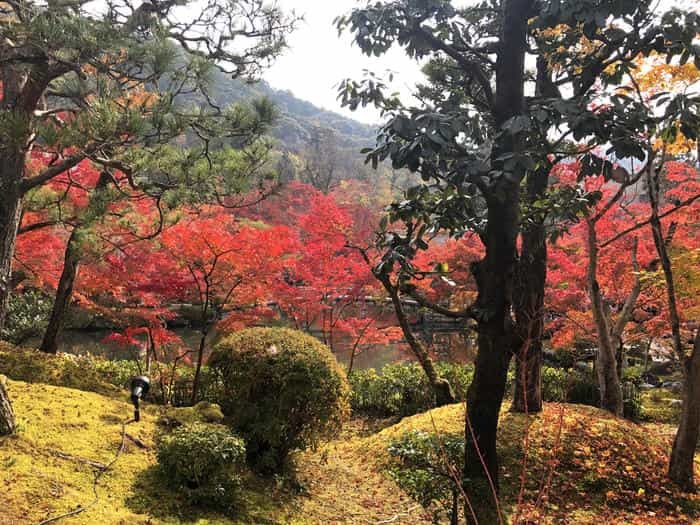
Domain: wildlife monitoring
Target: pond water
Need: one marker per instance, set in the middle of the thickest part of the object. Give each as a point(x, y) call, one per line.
point(81, 342)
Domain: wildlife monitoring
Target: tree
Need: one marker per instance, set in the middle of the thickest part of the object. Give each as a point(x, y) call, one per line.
point(68, 71)
point(327, 284)
point(217, 264)
point(477, 137)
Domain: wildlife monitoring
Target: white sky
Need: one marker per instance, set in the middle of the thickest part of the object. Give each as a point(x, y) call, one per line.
point(318, 59)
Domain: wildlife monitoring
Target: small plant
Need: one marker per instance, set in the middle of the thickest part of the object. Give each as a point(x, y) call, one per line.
point(27, 315)
point(282, 390)
point(203, 462)
point(428, 469)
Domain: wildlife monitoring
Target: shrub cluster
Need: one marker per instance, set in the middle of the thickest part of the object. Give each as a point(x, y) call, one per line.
point(203, 463)
point(281, 390)
point(403, 389)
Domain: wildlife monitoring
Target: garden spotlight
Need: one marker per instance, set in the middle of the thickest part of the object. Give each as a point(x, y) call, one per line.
point(139, 388)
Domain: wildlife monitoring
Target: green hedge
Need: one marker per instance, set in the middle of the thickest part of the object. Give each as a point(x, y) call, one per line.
point(403, 390)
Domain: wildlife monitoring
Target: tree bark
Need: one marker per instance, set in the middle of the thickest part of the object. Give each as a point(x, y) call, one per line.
point(198, 368)
point(7, 417)
point(529, 304)
point(64, 292)
point(11, 169)
point(444, 395)
point(606, 360)
point(495, 273)
point(681, 468)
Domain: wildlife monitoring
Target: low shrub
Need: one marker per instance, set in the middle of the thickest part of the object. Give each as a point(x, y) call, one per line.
point(203, 463)
point(403, 389)
point(428, 468)
point(282, 390)
point(103, 376)
point(27, 315)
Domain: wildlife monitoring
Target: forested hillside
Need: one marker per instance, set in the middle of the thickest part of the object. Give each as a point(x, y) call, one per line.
point(298, 120)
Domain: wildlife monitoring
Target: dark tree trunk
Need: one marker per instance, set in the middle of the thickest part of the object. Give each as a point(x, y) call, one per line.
point(7, 417)
point(681, 469)
point(495, 273)
point(529, 303)
point(11, 169)
point(198, 369)
point(64, 292)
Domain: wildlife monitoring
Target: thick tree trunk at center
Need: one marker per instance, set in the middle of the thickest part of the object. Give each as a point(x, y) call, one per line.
point(7, 417)
point(606, 360)
point(64, 293)
point(494, 275)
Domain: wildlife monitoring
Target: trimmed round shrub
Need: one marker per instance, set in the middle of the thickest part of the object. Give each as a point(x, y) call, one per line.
point(203, 463)
point(282, 390)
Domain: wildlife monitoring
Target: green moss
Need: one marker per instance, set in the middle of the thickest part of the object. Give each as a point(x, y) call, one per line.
point(37, 483)
point(658, 406)
point(202, 412)
point(23, 364)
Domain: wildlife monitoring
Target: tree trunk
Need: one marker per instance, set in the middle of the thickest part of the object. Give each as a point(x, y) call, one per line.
point(681, 469)
point(7, 417)
point(198, 369)
point(606, 359)
point(495, 273)
point(529, 303)
point(11, 169)
point(64, 292)
point(444, 395)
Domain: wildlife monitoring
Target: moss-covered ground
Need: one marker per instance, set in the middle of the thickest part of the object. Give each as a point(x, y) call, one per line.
point(583, 466)
point(43, 472)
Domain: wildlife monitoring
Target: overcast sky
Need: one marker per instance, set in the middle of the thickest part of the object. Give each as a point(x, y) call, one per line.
point(318, 60)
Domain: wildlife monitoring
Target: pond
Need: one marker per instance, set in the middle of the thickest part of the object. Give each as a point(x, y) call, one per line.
point(81, 342)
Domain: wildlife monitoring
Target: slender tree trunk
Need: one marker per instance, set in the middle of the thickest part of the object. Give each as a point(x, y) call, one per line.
point(495, 273)
point(606, 360)
point(529, 304)
point(681, 468)
point(7, 417)
point(444, 395)
point(198, 369)
point(64, 292)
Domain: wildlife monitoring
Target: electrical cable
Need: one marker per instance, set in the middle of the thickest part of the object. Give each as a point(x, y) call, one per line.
point(98, 475)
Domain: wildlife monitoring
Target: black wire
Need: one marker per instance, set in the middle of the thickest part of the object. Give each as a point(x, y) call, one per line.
point(98, 475)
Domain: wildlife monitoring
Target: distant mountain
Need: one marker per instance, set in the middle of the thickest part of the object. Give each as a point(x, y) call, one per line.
point(299, 119)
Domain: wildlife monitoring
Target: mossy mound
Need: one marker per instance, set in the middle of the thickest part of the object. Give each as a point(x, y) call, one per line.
point(202, 412)
point(33, 366)
point(583, 465)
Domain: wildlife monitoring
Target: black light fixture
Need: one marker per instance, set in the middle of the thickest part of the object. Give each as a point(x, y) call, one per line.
point(139, 388)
